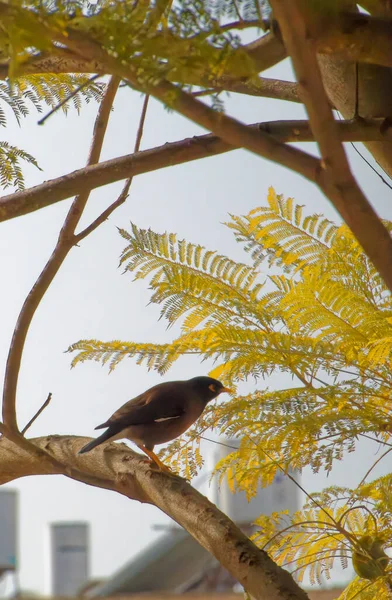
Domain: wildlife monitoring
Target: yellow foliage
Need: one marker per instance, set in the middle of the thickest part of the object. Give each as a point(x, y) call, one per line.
point(324, 316)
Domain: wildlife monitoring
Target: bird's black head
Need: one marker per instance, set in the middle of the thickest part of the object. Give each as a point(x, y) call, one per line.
point(208, 387)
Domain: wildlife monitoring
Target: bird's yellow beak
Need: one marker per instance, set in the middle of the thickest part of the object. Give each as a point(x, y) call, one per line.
point(227, 390)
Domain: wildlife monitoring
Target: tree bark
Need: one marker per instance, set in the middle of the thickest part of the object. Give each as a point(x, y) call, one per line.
point(170, 154)
point(374, 97)
point(120, 469)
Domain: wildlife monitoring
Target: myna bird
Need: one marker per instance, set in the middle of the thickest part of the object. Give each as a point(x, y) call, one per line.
point(159, 415)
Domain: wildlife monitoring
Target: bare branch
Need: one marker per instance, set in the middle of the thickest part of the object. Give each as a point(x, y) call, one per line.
point(122, 470)
point(379, 459)
point(264, 87)
point(361, 130)
point(261, 86)
point(343, 190)
point(54, 263)
point(124, 194)
point(37, 414)
point(168, 155)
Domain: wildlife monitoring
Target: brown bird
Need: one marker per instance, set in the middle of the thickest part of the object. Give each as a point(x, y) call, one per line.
point(159, 415)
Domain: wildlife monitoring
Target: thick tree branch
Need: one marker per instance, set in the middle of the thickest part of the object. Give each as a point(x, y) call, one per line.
point(348, 131)
point(131, 475)
point(49, 463)
point(168, 155)
point(264, 87)
point(352, 37)
point(360, 216)
point(344, 192)
point(70, 63)
point(265, 52)
point(229, 129)
point(63, 246)
point(349, 36)
point(356, 37)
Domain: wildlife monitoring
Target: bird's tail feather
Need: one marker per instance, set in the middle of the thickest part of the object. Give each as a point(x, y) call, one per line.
point(99, 440)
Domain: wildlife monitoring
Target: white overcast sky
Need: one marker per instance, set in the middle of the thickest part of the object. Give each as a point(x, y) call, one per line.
point(90, 298)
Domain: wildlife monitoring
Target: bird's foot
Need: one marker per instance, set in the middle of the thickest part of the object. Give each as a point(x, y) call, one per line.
point(164, 469)
point(158, 464)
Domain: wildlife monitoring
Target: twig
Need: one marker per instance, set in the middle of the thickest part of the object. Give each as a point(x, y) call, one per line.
point(124, 193)
point(285, 471)
point(378, 441)
point(167, 155)
point(62, 248)
point(37, 414)
point(372, 467)
point(69, 97)
point(342, 189)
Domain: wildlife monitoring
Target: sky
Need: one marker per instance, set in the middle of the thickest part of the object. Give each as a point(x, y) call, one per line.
point(91, 298)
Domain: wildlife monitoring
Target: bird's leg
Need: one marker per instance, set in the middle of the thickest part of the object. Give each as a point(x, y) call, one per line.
point(153, 457)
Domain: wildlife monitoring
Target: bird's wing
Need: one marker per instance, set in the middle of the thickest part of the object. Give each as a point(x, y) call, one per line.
point(156, 404)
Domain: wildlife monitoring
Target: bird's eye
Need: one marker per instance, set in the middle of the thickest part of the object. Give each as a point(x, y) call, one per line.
point(212, 387)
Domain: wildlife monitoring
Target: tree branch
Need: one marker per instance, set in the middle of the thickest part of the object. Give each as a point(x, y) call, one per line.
point(352, 37)
point(37, 414)
point(129, 474)
point(360, 216)
point(343, 190)
point(263, 87)
point(41, 454)
point(125, 191)
point(229, 129)
point(356, 37)
point(265, 52)
point(63, 246)
point(168, 155)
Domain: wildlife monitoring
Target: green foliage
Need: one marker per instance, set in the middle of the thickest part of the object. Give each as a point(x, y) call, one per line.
point(36, 91)
point(325, 317)
point(51, 89)
point(159, 39)
point(10, 169)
